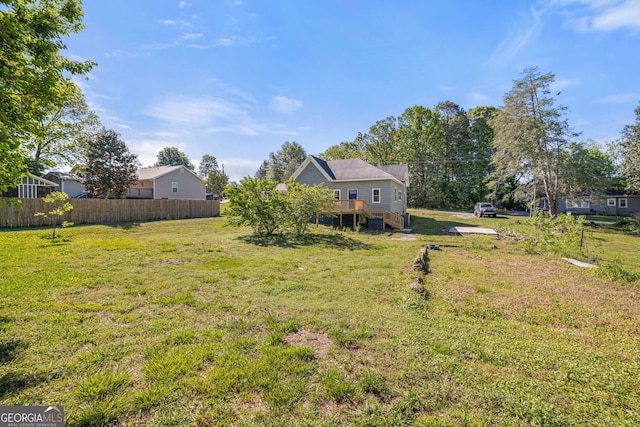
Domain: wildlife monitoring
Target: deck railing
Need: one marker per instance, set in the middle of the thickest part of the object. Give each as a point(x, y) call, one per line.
point(361, 207)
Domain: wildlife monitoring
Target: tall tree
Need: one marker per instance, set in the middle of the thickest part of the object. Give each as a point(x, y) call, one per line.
point(207, 164)
point(33, 73)
point(455, 179)
point(630, 150)
point(60, 138)
point(531, 136)
point(589, 170)
point(278, 162)
point(380, 145)
point(342, 151)
point(171, 156)
point(216, 181)
point(421, 133)
point(481, 138)
point(110, 168)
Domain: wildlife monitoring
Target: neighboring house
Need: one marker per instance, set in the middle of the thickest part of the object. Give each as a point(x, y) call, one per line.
point(612, 202)
point(377, 195)
point(31, 187)
point(69, 183)
point(167, 182)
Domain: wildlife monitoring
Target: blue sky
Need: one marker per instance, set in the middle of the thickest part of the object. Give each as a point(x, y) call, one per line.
point(237, 78)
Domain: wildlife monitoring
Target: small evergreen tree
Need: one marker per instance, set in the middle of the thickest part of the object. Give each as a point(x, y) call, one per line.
point(110, 168)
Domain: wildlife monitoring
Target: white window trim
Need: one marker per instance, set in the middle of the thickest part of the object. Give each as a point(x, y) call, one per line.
point(623, 203)
point(373, 195)
point(578, 204)
point(174, 187)
point(611, 202)
point(337, 193)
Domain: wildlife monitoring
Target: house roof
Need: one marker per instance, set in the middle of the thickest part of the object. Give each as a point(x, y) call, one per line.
point(355, 170)
point(63, 176)
point(158, 171)
point(400, 172)
point(29, 178)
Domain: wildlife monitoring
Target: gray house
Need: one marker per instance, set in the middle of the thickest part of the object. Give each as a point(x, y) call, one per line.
point(375, 196)
point(612, 202)
point(67, 182)
point(167, 182)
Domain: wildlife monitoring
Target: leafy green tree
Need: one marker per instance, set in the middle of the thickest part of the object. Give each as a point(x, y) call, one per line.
point(630, 150)
point(342, 151)
point(216, 181)
point(207, 164)
point(589, 170)
point(256, 203)
point(59, 201)
point(60, 138)
point(531, 136)
point(302, 204)
point(171, 156)
point(380, 145)
point(110, 168)
point(421, 133)
point(34, 75)
point(276, 167)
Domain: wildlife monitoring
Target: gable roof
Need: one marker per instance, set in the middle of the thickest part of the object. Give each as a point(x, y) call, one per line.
point(355, 170)
point(29, 178)
point(152, 173)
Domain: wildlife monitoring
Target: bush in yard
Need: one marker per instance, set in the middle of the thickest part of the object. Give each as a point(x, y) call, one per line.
point(303, 203)
point(257, 203)
point(60, 206)
point(563, 234)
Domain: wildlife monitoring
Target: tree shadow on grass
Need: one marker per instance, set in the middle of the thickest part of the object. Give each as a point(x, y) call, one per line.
point(13, 382)
point(9, 349)
point(333, 241)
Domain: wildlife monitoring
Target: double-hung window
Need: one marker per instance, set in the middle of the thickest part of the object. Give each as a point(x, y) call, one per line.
point(375, 195)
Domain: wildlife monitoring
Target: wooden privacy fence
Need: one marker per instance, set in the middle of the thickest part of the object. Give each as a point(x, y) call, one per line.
point(101, 211)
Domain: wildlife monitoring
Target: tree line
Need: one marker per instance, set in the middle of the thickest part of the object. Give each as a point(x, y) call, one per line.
point(45, 121)
point(523, 154)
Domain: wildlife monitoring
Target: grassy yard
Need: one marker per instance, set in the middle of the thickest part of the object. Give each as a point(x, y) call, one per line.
point(194, 323)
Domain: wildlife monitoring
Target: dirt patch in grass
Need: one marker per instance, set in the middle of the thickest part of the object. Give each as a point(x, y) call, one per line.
point(318, 341)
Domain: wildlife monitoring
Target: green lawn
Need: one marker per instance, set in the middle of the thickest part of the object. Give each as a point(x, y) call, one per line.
point(195, 323)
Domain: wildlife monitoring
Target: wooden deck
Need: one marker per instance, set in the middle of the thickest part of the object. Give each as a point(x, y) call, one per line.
point(360, 207)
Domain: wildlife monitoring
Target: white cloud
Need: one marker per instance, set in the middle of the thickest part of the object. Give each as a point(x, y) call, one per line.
point(191, 36)
point(168, 22)
point(600, 15)
point(560, 84)
point(237, 168)
point(195, 112)
point(213, 115)
point(517, 39)
point(619, 98)
point(625, 15)
point(234, 41)
point(283, 104)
